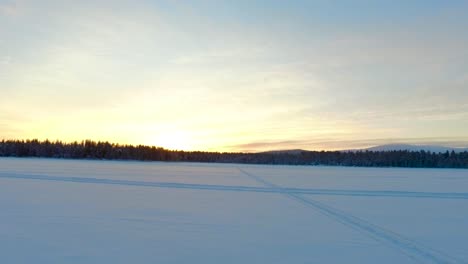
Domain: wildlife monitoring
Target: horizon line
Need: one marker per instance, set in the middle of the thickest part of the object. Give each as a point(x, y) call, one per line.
point(391, 143)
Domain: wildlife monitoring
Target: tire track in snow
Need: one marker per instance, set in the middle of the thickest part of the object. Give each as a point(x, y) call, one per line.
point(411, 248)
point(234, 188)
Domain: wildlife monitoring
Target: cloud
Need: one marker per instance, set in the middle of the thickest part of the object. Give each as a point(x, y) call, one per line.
point(5, 60)
point(415, 112)
point(256, 146)
point(295, 86)
point(9, 8)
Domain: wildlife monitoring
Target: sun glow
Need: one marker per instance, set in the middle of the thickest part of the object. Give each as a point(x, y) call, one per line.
point(174, 140)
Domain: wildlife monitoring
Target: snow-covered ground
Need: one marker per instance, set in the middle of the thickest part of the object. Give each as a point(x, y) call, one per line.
point(64, 211)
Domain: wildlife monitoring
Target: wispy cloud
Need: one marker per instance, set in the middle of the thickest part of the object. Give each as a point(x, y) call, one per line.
point(227, 73)
point(5, 60)
point(10, 8)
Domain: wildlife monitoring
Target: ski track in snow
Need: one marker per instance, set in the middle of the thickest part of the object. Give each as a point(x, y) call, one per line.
point(411, 248)
point(269, 189)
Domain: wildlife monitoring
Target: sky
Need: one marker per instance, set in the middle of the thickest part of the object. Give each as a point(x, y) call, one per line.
point(235, 75)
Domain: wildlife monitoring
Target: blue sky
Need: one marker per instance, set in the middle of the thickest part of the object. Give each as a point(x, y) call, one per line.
point(235, 75)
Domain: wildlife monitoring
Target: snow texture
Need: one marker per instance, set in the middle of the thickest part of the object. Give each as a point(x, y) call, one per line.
point(65, 211)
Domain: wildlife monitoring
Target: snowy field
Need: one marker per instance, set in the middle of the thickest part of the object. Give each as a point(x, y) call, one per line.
point(64, 211)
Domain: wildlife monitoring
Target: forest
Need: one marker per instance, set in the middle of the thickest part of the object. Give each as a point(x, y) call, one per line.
point(89, 149)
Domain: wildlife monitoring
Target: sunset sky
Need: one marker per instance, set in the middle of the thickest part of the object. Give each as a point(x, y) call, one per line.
point(235, 75)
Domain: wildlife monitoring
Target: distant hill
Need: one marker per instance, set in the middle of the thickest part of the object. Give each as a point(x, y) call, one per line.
point(386, 147)
point(285, 151)
point(409, 147)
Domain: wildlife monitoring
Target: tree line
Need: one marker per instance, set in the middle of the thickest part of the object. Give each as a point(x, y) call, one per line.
point(89, 149)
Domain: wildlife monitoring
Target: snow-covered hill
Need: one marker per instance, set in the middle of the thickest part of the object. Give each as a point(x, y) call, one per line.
point(431, 148)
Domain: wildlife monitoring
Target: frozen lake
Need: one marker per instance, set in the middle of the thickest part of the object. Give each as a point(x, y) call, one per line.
point(66, 211)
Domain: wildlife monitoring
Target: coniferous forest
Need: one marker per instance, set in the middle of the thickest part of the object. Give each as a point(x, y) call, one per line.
point(108, 151)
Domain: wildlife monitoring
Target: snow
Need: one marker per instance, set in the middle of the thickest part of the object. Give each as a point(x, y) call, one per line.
point(65, 211)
